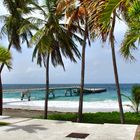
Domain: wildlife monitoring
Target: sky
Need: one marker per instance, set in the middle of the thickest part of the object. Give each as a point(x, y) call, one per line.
point(99, 67)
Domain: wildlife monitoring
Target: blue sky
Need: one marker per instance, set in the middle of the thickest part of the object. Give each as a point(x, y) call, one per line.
point(98, 64)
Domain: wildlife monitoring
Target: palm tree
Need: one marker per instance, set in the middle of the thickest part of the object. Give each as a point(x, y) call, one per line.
point(77, 16)
point(102, 20)
point(52, 41)
point(12, 23)
point(5, 58)
point(134, 99)
point(130, 11)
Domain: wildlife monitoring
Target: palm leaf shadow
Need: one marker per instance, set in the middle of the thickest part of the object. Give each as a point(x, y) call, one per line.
point(26, 128)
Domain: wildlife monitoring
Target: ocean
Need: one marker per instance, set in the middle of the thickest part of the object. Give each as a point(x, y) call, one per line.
point(110, 94)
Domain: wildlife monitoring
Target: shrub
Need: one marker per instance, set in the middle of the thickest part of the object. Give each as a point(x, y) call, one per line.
point(3, 123)
point(98, 118)
point(134, 99)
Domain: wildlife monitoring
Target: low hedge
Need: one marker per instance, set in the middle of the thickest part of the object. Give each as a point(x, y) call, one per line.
point(98, 118)
point(3, 123)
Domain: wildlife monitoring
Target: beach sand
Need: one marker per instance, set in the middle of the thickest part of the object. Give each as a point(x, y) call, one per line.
point(34, 109)
point(24, 113)
point(64, 106)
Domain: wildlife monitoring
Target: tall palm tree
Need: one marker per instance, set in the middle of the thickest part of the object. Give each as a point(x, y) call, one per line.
point(77, 15)
point(52, 41)
point(12, 23)
point(5, 58)
point(102, 20)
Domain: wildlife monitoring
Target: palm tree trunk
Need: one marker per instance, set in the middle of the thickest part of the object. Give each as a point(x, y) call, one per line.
point(80, 111)
point(115, 69)
point(137, 109)
point(1, 96)
point(1, 89)
point(47, 87)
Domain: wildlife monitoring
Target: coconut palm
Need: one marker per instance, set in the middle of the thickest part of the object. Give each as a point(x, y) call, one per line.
point(77, 16)
point(52, 41)
point(13, 21)
point(5, 58)
point(102, 20)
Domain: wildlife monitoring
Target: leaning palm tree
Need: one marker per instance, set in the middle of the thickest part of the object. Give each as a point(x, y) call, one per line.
point(52, 41)
point(13, 21)
point(5, 58)
point(102, 20)
point(77, 16)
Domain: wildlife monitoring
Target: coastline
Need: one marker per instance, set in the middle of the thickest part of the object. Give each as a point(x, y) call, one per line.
point(65, 106)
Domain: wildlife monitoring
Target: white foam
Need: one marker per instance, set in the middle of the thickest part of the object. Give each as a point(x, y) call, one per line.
point(65, 106)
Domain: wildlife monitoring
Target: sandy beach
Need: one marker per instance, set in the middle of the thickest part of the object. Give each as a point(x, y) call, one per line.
point(64, 106)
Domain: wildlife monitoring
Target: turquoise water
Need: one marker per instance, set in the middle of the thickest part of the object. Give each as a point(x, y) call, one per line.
point(40, 95)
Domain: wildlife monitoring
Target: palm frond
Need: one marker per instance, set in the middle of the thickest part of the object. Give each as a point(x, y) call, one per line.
point(37, 36)
point(128, 45)
point(131, 106)
point(5, 57)
point(131, 39)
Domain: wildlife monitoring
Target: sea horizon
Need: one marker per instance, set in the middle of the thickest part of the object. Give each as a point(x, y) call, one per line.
point(62, 83)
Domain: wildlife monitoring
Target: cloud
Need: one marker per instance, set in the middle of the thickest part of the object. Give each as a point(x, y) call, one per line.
point(3, 10)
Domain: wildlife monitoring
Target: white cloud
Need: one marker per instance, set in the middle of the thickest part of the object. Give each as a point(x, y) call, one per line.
point(3, 11)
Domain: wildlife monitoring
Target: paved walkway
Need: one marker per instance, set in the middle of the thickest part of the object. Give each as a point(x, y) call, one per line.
point(35, 129)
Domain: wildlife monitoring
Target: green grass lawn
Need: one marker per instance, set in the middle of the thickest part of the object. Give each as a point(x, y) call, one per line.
point(98, 118)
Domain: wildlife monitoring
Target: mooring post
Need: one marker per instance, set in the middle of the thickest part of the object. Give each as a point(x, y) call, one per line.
point(51, 91)
point(66, 92)
point(70, 92)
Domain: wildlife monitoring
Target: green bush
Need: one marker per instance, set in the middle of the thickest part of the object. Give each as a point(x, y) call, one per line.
point(3, 123)
point(134, 99)
point(64, 117)
point(98, 118)
point(135, 95)
point(101, 117)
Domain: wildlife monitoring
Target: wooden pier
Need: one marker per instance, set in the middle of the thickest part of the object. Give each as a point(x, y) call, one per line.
point(69, 91)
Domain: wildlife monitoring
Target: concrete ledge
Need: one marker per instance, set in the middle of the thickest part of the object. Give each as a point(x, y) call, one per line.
point(4, 117)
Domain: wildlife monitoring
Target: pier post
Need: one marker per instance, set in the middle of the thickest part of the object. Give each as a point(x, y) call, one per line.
point(51, 91)
point(68, 91)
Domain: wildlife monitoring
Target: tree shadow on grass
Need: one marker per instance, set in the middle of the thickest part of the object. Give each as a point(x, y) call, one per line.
point(26, 128)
